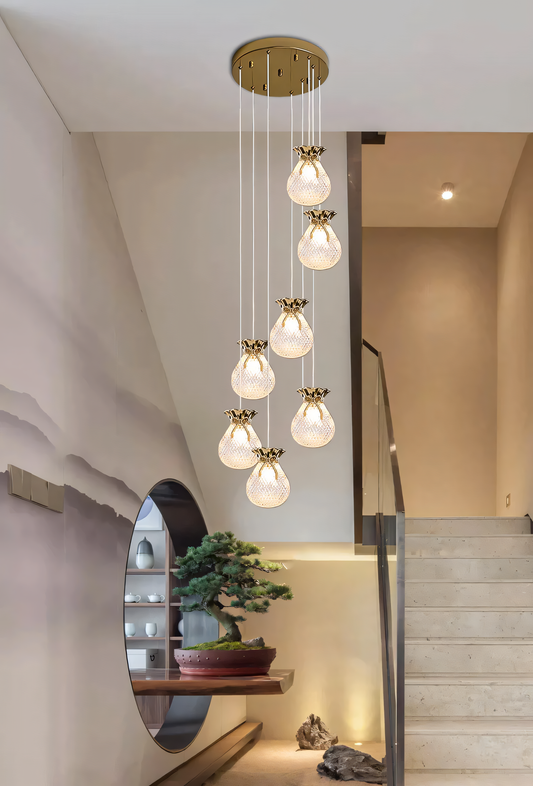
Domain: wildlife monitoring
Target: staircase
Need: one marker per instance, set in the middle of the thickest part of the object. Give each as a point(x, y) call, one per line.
point(469, 651)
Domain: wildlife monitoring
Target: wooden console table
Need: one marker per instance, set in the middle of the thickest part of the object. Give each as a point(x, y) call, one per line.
point(170, 682)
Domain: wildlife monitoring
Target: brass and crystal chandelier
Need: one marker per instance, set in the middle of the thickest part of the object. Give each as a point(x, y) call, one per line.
point(295, 69)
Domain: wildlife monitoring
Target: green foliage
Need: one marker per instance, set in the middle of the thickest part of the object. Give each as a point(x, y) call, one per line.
point(224, 645)
point(223, 565)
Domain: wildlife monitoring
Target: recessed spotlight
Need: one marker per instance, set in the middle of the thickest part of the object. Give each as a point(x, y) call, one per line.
point(447, 190)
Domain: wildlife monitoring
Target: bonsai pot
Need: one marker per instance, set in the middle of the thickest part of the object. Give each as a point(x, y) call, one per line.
point(224, 663)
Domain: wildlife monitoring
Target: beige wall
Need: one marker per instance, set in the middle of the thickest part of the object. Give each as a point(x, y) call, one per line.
point(515, 343)
point(429, 304)
point(84, 401)
point(330, 634)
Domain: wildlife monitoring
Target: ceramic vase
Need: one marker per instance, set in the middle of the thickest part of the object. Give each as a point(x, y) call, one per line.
point(144, 558)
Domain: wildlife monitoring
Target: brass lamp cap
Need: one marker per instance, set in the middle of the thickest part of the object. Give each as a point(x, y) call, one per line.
point(309, 151)
point(268, 455)
point(253, 345)
point(292, 304)
point(240, 416)
point(313, 395)
point(320, 216)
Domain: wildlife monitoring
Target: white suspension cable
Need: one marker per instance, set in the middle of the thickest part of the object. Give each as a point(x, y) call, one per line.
point(240, 225)
point(309, 100)
point(268, 233)
point(292, 203)
point(253, 213)
point(303, 268)
point(303, 125)
point(319, 112)
point(314, 333)
point(313, 105)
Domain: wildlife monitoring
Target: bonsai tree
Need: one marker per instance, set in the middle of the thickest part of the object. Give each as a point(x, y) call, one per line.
point(223, 565)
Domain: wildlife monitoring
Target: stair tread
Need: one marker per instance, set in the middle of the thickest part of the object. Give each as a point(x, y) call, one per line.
point(469, 679)
point(470, 581)
point(495, 609)
point(466, 640)
point(467, 518)
point(468, 537)
point(461, 726)
point(437, 556)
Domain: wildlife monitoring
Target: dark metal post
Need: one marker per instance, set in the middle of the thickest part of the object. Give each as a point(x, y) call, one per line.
point(355, 256)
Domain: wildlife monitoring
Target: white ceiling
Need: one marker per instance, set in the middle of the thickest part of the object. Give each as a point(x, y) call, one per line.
point(396, 65)
point(402, 179)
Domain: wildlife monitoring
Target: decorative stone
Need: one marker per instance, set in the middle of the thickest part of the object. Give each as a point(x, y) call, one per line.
point(259, 642)
point(314, 735)
point(342, 763)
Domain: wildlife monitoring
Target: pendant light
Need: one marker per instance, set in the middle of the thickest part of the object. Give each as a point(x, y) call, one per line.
point(313, 426)
point(252, 376)
point(308, 183)
point(291, 336)
point(268, 486)
point(236, 447)
point(319, 248)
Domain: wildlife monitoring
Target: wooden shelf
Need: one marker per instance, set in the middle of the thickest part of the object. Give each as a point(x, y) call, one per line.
point(145, 572)
point(145, 638)
point(176, 638)
point(145, 605)
point(176, 604)
point(170, 682)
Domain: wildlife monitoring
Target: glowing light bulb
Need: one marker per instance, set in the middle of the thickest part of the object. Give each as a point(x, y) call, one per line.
point(319, 248)
point(313, 426)
point(447, 190)
point(291, 336)
point(236, 447)
point(252, 376)
point(268, 486)
point(308, 183)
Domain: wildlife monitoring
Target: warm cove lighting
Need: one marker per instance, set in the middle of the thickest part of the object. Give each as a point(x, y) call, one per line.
point(447, 190)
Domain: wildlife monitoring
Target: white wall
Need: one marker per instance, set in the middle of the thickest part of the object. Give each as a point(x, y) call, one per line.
point(177, 198)
point(83, 400)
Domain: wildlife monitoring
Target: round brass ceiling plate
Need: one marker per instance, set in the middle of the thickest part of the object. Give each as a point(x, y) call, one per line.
point(289, 59)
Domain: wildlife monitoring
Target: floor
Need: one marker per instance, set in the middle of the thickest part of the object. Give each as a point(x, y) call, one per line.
point(279, 763)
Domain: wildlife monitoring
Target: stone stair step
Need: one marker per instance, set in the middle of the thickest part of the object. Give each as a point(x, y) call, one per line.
point(468, 622)
point(488, 569)
point(468, 526)
point(469, 744)
point(476, 547)
point(465, 778)
point(481, 696)
point(495, 594)
point(468, 656)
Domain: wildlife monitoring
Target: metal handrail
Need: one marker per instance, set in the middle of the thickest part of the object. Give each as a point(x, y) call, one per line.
point(400, 583)
point(394, 699)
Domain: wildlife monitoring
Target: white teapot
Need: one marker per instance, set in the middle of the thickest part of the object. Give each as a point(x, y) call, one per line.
point(155, 598)
point(129, 598)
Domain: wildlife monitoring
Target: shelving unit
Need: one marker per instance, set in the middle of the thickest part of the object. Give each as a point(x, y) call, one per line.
point(154, 709)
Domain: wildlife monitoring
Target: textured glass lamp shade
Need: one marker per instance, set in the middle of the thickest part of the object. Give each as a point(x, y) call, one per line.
point(308, 183)
point(313, 426)
point(319, 248)
point(268, 486)
point(253, 377)
point(291, 336)
point(236, 447)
